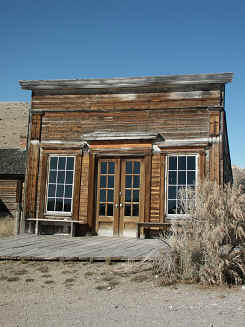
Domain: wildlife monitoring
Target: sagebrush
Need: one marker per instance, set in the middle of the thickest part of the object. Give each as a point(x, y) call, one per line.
point(209, 247)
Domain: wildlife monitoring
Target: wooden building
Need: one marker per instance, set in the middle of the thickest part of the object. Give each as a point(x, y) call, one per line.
point(106, 154)
point(12, 173)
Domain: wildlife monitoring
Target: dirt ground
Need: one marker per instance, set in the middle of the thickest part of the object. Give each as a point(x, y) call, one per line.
point(97, 294)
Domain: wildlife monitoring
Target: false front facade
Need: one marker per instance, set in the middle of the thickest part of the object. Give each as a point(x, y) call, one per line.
point(106, 154)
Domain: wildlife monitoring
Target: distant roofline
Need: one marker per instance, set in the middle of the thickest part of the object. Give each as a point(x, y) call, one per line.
point(127, 82)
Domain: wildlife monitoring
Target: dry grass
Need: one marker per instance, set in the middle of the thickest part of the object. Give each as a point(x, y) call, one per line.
point(7, 226)
point(210, 248)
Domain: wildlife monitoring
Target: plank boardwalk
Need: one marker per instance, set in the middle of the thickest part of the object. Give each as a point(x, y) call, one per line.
point(61, 247)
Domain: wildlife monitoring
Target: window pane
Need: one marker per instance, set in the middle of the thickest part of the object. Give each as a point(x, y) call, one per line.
point(69, 177)
point(109, 209)
point(70, 163)
point(103, 167)
point(182, 163)
point(172, 163)
point(62, 163)
point(172, 194)
point(136, 196)
point(60, 191)
point(102, 181)
point(191, 163)
point(172, 178)
point(67, 205)
point(127, 210)
point(136, 181)
point(102, 195)
point(110, 196)
point(171, 206)
point(61, 177)
point(111, 181)
point(51, 190)
point(182, 177)
point(136, 167)
point(128, 181)
point(53, 162)
point(68, 191)
point(191, 177)
point(128, 195)
point(52, 176)
point(102, 209)
point(51, 204)
point(128, 167)
point(135, 210)
point(111, 167)
point(59, 205)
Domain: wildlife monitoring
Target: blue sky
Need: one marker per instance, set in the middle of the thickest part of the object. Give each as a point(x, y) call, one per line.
point(52, 39)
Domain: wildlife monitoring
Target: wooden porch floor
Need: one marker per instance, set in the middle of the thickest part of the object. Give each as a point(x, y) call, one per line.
point(94, 248)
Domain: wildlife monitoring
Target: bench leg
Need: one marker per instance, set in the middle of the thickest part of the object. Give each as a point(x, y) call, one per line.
point(37, 227)
point(138, 232)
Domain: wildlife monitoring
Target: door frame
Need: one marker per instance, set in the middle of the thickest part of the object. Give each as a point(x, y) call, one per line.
point(145, 192)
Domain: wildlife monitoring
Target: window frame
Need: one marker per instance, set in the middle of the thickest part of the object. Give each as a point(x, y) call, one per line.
point(59, 213)
point(179, 154)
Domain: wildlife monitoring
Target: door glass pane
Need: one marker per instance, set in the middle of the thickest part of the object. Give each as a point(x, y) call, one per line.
point(135, 210)
point(136, 181)
point(110, 196)
point(110, 209)
point(69, 177)
point(102, 195)
point(136, 167)
point(129, 167)
point(128, 181)
point(61, 177)
point(111, 181)
point(102, 209)
point(127, 210)
point(128, 195)
point(103, 169)
point(136, 196)
point(102, 181)
point(111, 167)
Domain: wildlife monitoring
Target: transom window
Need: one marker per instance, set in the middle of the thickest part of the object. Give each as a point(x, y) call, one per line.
point(181, 173)
point(60, 184)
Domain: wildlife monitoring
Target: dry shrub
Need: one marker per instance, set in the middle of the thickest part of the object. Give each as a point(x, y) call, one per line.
point(7, 226)
point(209, 247)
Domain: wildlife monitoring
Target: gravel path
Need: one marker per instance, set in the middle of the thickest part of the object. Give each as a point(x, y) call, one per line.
point(79, 294)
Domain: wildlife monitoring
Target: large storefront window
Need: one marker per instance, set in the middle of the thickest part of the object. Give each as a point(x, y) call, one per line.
point(60, 184)
point(181, 176)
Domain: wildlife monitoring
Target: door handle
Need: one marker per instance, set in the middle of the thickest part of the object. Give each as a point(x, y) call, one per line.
point(116, 205)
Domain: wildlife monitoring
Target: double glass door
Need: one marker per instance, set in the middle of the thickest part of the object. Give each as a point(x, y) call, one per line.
point(119, 204)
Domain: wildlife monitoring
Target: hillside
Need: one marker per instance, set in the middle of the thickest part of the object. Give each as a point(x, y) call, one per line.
point(13, 123)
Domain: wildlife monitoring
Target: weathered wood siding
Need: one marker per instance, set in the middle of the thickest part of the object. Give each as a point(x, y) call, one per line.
point(9, 194)
point(141, 101)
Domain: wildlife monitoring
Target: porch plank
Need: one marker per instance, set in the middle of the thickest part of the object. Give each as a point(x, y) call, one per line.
point(59, 247)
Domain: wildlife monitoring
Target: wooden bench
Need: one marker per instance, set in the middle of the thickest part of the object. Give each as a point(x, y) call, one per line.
point(149, 225)
point(67, 221)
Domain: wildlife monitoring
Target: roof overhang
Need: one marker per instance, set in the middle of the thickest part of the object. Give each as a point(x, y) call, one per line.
point(123, 83)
